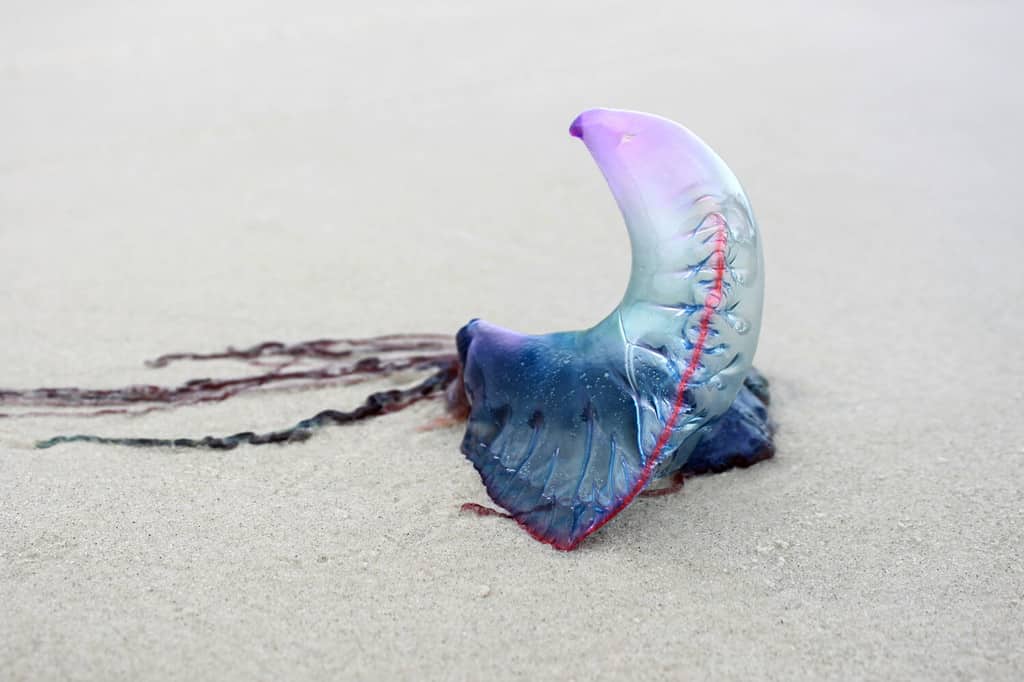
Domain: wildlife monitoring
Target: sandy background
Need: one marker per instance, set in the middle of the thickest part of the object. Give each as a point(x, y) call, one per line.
point(190, 175)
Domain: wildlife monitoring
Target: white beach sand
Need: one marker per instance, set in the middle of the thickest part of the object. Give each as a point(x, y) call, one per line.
point(189, 175)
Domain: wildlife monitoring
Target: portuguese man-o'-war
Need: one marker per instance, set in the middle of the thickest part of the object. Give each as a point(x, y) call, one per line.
point(565, 429)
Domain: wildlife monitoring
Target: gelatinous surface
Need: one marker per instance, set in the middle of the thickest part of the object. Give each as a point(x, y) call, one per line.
point(566, 429)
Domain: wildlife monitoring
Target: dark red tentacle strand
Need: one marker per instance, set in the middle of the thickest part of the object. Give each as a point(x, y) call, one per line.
point(310, 364)
point(279, 366)
point(334, 349)
point(376, 404)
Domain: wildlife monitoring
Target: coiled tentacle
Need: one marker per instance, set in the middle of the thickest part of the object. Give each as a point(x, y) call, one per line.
point(300, 366)
point(375, 404)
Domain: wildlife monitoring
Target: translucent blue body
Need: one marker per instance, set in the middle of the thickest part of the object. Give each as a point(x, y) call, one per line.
point(566, 429)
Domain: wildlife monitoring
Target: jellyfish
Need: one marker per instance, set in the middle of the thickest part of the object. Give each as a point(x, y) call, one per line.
point(565, 429)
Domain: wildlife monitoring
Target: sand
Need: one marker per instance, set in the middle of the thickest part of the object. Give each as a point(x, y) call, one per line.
point(193, 175)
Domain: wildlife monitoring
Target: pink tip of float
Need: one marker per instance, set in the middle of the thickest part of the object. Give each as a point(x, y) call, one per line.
point(576, 129)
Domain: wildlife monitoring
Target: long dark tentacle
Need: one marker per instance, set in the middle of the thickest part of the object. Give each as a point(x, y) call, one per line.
point(334, 349)
point(376, 404)
point(305, 365)
point(309, 364)
point(205, 390)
